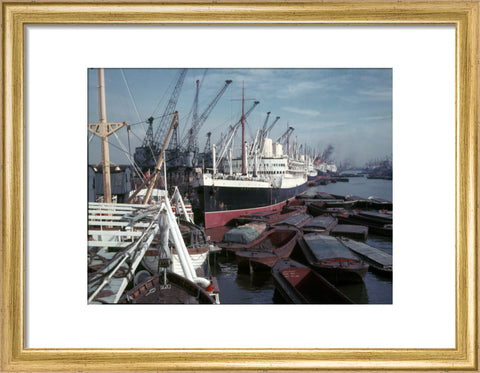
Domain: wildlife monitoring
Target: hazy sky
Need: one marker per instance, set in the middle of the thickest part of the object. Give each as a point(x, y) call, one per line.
point(348, 108)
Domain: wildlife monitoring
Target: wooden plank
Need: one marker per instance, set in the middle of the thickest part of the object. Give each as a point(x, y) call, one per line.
point(374, 254)
point(108, 244)
point(108, 212)
point(350, 231)
point(105, 217)
point(117, 224)
point(119, 205)
point(115, 233)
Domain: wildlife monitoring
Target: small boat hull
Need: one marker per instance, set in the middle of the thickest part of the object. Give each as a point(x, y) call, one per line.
point(262, 254)
point(380, 262)
point(377, 223)
point(176, 290)
point(342, 271)
point(299, 284)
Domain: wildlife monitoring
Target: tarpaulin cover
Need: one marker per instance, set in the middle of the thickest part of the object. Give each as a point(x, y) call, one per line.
point(320, 222)
point(327, 247)
point(242, 234)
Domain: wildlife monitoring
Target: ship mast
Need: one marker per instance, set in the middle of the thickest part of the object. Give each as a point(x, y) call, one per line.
point(243, 120)
point(104, 129)
point(288, 144)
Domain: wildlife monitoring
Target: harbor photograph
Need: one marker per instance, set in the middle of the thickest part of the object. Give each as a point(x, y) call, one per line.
point(240, 186)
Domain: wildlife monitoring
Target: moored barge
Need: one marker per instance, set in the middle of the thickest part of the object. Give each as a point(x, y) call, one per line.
point(263, 253)
point(299, 284)
point(330, 258)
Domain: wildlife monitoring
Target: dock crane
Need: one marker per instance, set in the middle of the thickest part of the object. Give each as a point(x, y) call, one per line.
point(266, 121)
point(266, 133)
point(207, 143)
point(257, 143)
point(285, 135)
point(192, 135)
point(145, 155)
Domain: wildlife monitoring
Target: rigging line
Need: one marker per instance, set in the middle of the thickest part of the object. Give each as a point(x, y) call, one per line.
point(143, 122)
point(130, 93)
point(149, 147)
point(247, 125)
point(164, 94)
point(134, 165)
point(128, 137)
point(203, 77)
point(134, 134)
point(90, 139)
point(124, 149)
point(185, 127)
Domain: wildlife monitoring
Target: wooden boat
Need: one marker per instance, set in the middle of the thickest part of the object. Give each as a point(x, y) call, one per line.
point(319, 207)
point(320, 224)
point(263, 253)
point(358, 232)
point(377, 222)
point(380, 262)
point(323, 195)
point(299, 284)
point(296, 220)
point(295, 203)
point(316, 208)
point(171, 289)
point(380, 203)
point(238, 237)
point(359, 202)
point(330, 258)
point(381, 218)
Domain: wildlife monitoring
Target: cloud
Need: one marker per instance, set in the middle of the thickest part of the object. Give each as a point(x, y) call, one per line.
point(307, 112)
point(378, 117)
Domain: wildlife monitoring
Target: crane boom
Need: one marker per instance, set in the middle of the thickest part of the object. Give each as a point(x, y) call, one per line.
point(197, 124)
point(265, 123)
point(169, 109)
point(282, 138)
point(267, 132)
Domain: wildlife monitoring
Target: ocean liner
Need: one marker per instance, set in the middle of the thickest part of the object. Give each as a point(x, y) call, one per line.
point(262, 179)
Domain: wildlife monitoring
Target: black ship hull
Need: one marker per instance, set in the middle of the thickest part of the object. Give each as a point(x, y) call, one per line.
point(217, 205)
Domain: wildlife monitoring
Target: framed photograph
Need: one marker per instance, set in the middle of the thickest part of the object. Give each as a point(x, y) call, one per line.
point(415, 63)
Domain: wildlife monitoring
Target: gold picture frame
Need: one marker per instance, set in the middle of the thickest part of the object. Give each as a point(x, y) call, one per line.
point(16, 15)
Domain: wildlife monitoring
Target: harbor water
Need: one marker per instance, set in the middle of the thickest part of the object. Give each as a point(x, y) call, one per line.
point(258, 288)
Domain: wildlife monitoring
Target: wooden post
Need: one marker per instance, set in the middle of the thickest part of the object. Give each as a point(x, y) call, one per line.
point(104, 129)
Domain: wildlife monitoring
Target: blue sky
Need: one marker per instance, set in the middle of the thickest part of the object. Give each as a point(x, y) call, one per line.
point(348, 108)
